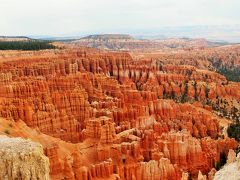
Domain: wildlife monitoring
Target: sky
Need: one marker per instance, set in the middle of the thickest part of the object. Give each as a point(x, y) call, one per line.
point(75, 17)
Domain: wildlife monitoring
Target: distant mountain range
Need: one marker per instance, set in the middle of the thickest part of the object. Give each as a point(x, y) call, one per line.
point(218, 33)
point(128, 43)
point(125, 42)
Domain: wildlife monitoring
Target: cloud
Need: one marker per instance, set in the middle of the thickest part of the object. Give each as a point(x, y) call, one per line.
point(66, 17)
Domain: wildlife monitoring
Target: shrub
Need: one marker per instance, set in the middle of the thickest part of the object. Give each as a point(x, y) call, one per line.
point(185, 94)
point(234, 131)
point(231, 75)
point(26, 45)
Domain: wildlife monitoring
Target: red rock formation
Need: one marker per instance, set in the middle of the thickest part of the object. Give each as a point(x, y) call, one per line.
point(161, 169)
point(52, 154)
point(105, 115)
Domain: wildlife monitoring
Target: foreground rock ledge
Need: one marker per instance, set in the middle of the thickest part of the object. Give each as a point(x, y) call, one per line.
point(22, 159)
point(231, 171)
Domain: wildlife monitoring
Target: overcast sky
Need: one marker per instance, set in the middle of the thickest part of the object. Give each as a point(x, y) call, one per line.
point(73, 17)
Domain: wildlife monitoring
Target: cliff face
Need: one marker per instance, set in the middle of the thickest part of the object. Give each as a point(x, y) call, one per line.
point(22, 159)
point(105, 115)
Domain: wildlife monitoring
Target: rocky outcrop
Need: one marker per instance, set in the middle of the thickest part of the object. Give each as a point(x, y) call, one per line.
point(101, 128)
point(183, 150)
point(231, 170)
point(161, 169)
point(22, 159)
point(212, 173)
point(201, 176)
point(231, 156)
point(185, 176)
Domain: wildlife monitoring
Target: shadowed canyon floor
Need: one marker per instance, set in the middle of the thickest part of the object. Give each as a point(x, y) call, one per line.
point(118, 115)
